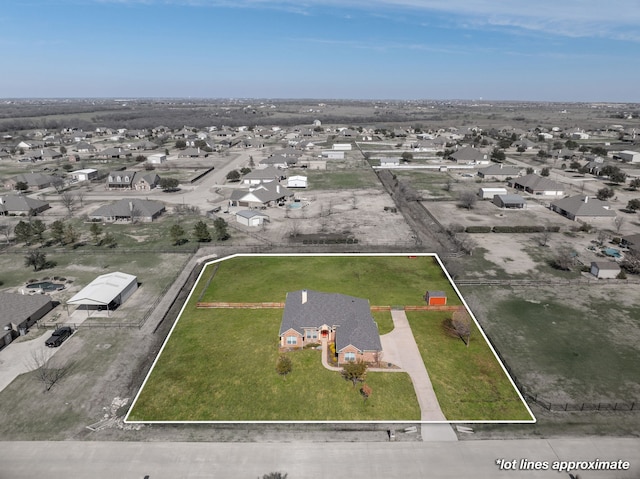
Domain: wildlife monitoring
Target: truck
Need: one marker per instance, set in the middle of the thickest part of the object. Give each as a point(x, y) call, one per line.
point(58, 337)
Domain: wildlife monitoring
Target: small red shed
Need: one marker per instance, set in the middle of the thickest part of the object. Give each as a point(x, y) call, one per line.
point(436, 298)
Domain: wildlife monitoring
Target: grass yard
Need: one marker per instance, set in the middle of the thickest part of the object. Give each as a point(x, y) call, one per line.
point(383, 280)
point(220, 366)
point(469, 382)
point(428, 181)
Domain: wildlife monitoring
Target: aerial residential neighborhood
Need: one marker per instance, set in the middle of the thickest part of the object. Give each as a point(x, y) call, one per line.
point(109, 233)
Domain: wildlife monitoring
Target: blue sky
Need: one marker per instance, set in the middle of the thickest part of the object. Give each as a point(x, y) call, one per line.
point(567, 50)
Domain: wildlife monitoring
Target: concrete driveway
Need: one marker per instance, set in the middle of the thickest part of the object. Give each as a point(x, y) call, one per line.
point(400, 348)
point(18, 358)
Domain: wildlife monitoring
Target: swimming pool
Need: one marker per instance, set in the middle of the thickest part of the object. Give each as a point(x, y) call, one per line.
point(46, 286)
point(612, 252)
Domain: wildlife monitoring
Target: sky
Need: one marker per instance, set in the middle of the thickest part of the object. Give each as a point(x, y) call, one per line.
point(542, 50)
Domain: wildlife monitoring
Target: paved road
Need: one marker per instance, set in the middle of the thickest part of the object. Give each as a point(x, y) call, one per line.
point(384, 460)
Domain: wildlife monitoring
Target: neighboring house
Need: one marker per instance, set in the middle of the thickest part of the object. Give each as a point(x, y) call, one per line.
point(631, 242)
point(537, 185)
point(341, 146)
point(605, 269)
point(251, 217)
point(21, 205)
point(278, 161)
point(84, 175)
point(85, 147)
point(192, 153)
point(120, 180)
point(5, 155)
point(145, 181)
point(582, 207)
point(36, 181)
point(264, 175)
point(266, 194)
point(297, 181)
point(469, 155)
point(129, 209)
point(113, 152)
point(311, 316)
point(45, 154)
point(500, 172)
point(509, 201)
point(18, 312)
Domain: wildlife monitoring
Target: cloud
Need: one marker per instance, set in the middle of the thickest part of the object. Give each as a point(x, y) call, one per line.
point(615, 19)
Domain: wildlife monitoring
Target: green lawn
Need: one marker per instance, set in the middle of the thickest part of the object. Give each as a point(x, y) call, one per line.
point(342, 180)
point(383, 280)
point(220, 366)
point(468, 381)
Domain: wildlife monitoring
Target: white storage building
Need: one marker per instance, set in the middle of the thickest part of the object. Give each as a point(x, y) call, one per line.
point(106, 292)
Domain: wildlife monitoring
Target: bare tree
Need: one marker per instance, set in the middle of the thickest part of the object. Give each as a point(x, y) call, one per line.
point(618, 223)
point(461, 323)
point(5, 230)
point(602, 237)
point(80, 195)
point(543, 237)
point(564, 259)
point(294, 229)
point(46, 372)
point(68, 200)
point(467, 199)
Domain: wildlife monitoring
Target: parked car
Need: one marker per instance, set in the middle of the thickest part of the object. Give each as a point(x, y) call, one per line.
point(59, 336)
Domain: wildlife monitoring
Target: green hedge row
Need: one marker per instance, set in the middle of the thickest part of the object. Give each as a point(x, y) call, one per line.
point(512, 229)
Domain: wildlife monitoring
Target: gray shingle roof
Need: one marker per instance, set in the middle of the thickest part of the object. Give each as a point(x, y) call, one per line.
point(351, 315)
point(17, 307)
point(21, 204)
point(122, 208)
point(577, 206)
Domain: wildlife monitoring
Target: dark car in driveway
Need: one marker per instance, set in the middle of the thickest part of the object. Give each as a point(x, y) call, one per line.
point(59, 336)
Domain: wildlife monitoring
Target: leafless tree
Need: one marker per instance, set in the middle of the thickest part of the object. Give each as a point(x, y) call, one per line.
point(602, 237)
point(46, 372)
point(543, 237)
point(467, 199)
point(58, 184)
point(294, 228)
point(354, 202)
point(80, 195)
point(68, 200)
point(564, 259)
point(618, 223)
point(461, 323)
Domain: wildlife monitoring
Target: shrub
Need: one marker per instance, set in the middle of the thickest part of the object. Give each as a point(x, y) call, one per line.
point(478, 229)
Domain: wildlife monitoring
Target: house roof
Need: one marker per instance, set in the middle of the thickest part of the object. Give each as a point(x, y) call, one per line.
point(268, 173)
point(19, 203)
point(351, 316)
point(35, 179)
point(17, 307)
point(511, 199)
point(468, 154)
point(122, 208)
point(606, 265)
point(537, 183)
point(500, 170)
point(113, 176)
point(581, 205)
point(103, 290)
point(250, 214)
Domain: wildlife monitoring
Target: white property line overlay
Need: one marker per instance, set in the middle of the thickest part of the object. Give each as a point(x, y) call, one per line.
point(245, 255)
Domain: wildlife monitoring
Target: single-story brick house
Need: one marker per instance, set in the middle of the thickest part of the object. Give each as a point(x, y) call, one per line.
point(311, 316)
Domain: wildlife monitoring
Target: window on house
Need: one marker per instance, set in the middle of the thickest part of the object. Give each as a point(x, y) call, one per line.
point(126, 179)
point(292, 340)
point(312, 334)
point(349, 356)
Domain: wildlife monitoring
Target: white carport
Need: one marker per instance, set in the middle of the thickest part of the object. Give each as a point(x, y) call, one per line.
point(106, 292)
